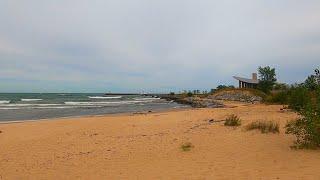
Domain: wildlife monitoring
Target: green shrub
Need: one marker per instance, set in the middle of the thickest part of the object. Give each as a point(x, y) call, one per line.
point(187, 146)
point(307, 127)
point(264, 126)
point(299, 98)
point(232, 120)
point(305, 99)
point(278, 98)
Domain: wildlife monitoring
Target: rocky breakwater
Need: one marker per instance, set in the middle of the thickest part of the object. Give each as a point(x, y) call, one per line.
point(242, 96)
point(195, 102)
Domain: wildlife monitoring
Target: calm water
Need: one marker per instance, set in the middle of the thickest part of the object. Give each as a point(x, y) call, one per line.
point(22, 106)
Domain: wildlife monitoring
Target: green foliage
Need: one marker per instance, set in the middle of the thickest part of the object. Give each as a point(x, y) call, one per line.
point(280, 87)
point(264, 126)
point(311, 83)
point(187, 146)
point(172, 93)
point(267, 79)
point(299, 98)
point(267, 74)
point(278, 98)
point(232, 120)
point(307, 127)
point(189, 94)
point(225, 87)
point(305, 99)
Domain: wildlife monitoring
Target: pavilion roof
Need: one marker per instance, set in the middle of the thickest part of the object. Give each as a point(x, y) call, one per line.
point(251, 81)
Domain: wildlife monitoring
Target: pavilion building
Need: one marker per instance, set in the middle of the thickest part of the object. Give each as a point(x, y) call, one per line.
point(248, 83)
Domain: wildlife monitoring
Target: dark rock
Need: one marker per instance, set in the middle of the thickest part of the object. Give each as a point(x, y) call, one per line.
point(195, 102)
point(236, 96)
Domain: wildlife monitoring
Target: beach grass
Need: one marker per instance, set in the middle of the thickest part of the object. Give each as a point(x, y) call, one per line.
point(232, 120)
point(264, 126)
point(187, 146)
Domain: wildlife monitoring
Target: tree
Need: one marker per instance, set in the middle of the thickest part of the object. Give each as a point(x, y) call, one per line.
point(267, 78)
point(221, 87)
point(310, 83)
point(281, 86)
point(313, 81)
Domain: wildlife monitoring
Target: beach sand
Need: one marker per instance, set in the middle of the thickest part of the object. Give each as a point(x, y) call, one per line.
point(148, 146)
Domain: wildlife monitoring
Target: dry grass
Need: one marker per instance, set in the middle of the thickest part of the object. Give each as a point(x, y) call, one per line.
point(233, 120)
point(187, 146)
point(249, 91)
point(264, 126)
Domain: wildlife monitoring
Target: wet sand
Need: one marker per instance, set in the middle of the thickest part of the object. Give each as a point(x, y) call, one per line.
point(148, 146)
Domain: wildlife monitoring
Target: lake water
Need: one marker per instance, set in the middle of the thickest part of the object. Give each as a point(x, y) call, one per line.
point(32, 106)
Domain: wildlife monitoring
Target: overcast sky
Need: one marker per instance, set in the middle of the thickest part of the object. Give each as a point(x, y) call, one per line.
point(153, 45)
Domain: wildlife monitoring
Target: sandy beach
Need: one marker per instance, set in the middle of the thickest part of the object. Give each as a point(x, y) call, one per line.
point(148, 146)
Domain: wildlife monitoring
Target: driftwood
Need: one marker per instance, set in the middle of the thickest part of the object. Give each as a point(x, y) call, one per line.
point(210, 121)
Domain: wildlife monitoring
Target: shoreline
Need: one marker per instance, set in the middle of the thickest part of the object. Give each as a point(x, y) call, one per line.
point(92, 116)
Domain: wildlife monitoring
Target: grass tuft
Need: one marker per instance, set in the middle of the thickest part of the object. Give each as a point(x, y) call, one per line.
point(187, 146)
point(264, 126)
point(233, 120)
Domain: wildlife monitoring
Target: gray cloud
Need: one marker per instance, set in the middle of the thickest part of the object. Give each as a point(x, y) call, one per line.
point(162, 45)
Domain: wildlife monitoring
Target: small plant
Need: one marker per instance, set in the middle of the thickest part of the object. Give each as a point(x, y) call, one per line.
point(264, 126)
point(187, 146)
point(189, 94)
point(233, 120)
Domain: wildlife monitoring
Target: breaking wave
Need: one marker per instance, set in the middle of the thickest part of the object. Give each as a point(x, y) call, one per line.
point(104, 97)
point(4, 102)
point(101, 103)
point(146, 99)
point(28, 100)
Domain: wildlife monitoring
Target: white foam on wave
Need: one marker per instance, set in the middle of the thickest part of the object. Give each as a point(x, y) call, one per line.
point(104, 97)
point(146, 99)
point(45, 107)
point(25, 105)
point(4, 102)
point(33, 107)
point(100, 103)
point(27, 100)
point(50, 107)
point(5, 108)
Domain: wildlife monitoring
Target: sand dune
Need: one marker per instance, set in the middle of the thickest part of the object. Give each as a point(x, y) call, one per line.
point(147, 146)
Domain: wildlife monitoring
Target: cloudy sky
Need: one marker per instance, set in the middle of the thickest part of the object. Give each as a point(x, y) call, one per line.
point(158, 45)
